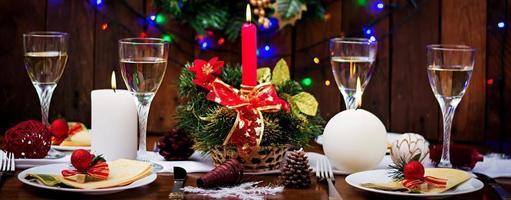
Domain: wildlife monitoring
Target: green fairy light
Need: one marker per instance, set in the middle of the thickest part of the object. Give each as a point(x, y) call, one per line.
point(160, 19)
point(361, 2)
point(306, 82)
point(167, 38)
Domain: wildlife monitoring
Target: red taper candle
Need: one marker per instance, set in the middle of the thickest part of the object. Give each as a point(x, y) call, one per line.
point(248, 51)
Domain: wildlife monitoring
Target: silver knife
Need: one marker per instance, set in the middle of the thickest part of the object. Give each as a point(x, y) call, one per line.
point(179, 180)
point(503, 194)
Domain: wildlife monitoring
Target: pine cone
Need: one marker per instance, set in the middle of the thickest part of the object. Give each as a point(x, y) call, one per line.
point(176, 145)
point(296, 172)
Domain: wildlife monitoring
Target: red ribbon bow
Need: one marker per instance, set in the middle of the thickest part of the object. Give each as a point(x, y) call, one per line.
point(430, 180)
point(249, 103)
point(98, 171)
point(247, 131)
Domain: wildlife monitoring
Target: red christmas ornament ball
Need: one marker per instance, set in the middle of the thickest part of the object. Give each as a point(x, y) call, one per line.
point(28, 139)
point(59, 128)
point(81, 159)
point(414, 170)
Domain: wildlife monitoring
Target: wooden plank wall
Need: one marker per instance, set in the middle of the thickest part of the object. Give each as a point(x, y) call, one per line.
point(398, 93)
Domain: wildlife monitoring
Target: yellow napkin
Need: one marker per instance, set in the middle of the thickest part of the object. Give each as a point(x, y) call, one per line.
point(79, 139)
point(122, 172)
point(454, 178)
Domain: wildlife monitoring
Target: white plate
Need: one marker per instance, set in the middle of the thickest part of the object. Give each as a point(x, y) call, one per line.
point(381, 176)
point(57, 168)
point(69, 148)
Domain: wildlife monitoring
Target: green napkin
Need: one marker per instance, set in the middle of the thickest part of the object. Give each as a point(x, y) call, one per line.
point(44, 179)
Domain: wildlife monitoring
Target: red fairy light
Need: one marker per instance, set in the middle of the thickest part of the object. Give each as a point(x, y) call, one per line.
point(104, 26)
point(489, 81)
point(142, 34)
point(221, 41)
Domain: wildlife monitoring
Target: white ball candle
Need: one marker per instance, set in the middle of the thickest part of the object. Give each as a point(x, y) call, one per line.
point(113, 124)
point(355, 140)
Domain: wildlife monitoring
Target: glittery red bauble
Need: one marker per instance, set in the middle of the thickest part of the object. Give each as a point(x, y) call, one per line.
point(28, 139)
point(414, 170)
point(81, 159)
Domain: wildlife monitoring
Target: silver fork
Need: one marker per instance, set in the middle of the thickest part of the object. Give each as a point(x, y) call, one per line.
point(324, 171)
point(7, 164)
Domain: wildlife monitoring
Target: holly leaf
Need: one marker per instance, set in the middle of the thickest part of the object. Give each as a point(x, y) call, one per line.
point(280, 73)
point(263, 75)
point(306, 103)
point(296, 111)
point(289, 8)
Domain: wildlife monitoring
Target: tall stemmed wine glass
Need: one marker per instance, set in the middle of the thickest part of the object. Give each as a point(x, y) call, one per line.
point(143, 64)
point(352, 61)
point(45, 60)
point(449, 71)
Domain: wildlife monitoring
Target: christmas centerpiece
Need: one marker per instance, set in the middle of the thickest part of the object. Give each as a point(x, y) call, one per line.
point(244, 113)
point(254, 125)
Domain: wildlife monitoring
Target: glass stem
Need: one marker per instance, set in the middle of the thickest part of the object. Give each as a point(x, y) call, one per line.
point(448, 114)
point(143, 103)
point(45, 92)
point(350, 101)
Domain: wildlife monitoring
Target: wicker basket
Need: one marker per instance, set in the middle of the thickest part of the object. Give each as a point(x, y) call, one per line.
point(265, 159)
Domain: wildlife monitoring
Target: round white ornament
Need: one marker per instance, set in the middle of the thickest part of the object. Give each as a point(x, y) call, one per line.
point(407, 146)
point(355, 140)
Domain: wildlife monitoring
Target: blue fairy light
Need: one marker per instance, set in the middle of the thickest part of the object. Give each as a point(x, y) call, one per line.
point(380, 6)
point(368, 31)
point(501, 24)
point(266, 51)
point(204, 45)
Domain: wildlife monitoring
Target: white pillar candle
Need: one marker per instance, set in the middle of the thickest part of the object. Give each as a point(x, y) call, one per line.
point(114, 124)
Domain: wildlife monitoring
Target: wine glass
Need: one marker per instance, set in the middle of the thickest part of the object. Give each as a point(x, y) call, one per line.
point(143, 64)
point(45, 60)
point(449, 72)
point(352, 61)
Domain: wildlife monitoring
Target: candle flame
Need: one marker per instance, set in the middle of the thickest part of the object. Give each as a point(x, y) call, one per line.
point(358, 93)
point(248, 13)
point(113, 81)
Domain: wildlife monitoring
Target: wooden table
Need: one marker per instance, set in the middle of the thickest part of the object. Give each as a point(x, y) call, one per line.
point(15, 190)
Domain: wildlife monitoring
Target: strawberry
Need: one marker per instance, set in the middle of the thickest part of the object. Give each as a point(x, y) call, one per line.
point(59, 128)
point(414, 170)
point(81, 159)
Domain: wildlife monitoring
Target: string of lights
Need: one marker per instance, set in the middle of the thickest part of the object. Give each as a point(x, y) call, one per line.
point(212, 42)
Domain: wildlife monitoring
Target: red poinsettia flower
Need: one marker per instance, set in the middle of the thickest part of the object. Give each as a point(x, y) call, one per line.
point(207, 68)
point(206, 71)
